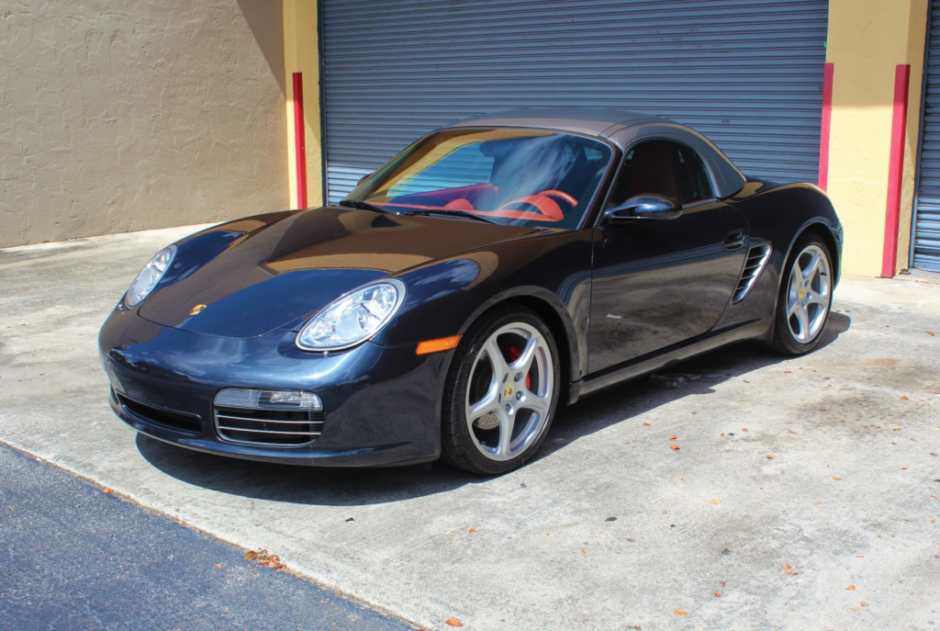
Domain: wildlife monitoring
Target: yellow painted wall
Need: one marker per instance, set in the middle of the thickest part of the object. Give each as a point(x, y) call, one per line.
point(867, 39)
point(301, 54)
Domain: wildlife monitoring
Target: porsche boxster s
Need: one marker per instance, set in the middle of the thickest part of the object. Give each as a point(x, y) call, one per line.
point(494, 270)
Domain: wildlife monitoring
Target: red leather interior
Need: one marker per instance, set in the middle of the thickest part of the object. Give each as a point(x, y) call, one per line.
point(546, 205)
point(460, 204)
point(474, 199)
point(562, 195)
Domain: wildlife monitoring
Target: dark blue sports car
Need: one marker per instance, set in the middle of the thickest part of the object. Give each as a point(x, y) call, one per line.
point(492, 271)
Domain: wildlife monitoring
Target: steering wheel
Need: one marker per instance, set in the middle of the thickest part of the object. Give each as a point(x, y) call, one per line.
point(560, 195)
point(544, 203)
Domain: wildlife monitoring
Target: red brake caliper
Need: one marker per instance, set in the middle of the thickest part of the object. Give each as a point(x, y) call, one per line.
point(514, 353)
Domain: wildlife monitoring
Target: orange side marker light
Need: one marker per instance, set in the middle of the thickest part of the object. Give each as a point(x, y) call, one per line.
point(436, 346)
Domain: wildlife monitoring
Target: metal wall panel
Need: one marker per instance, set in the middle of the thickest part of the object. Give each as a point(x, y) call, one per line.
point(746, 73)
point(926, 238)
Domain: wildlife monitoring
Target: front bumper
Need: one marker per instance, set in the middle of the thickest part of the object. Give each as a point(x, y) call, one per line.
point(381, 404)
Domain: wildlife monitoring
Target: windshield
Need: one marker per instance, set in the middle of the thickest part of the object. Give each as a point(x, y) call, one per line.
point(509, 176)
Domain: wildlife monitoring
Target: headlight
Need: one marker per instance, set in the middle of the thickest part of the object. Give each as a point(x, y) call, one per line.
point(150, 276)
point(353, 318)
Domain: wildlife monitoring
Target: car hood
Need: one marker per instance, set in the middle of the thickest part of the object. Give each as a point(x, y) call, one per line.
point(276, 273)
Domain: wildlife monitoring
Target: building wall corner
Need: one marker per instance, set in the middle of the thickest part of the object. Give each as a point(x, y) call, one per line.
point(301, 54)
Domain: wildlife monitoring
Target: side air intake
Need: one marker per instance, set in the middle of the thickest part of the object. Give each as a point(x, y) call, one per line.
point(757, 258)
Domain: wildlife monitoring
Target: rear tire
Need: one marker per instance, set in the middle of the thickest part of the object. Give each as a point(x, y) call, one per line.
point(805, 299)
point(501, 392)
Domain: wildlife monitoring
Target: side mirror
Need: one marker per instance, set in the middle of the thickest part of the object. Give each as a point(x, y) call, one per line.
point(364, 178)
point(645, 207)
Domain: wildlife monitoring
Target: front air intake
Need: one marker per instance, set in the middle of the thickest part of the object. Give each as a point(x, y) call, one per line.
point(757, 258)
point(167, 419)
point(268, 417)
point(268, 427)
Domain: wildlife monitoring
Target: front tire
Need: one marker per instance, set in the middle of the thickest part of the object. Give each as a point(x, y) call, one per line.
point(805, 297)
point(501, 392)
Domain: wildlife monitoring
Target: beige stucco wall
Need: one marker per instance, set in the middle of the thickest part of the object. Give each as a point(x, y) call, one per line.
point(867, 39)
point(119, 115)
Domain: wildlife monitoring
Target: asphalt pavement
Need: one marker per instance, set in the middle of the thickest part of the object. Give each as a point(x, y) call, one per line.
point(73, 557)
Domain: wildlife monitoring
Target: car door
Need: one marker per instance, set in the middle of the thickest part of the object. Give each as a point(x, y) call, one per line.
point(661, 282)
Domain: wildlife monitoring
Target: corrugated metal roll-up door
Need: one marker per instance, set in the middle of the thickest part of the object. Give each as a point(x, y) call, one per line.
point(926, 237)
point(746, 73)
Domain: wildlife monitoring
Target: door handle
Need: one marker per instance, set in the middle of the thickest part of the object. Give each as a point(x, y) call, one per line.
point(734, 240)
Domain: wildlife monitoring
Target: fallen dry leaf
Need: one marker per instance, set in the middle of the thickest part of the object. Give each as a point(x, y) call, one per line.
point(770, 457)
point(933, 454)
point(835, 478)
point(473, 530)
point(673, 437)
point(679, 612)
point(263, 558)
point(850, 588)
point(791, 573)
point(647, 424)
point(863, 604)
point(791, 431)
point(717, 594)
point(789, 372)
point(674, 447)
point(453, 622)
point(786, 567)
point(931, 333)
point(583, 551)
point(745, 381)
point(683, 479)
point(107, 490)
point(715, 500)
point(218, 565)
point(904, 398)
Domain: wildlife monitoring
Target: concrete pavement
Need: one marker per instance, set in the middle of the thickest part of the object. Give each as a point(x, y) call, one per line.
point(803, 495)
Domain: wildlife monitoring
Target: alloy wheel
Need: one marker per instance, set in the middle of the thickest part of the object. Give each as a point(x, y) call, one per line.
point(808, 295)
point(510, 391)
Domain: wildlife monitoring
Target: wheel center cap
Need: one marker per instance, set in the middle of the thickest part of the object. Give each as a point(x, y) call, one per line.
point(507, 391)
point(802, 293)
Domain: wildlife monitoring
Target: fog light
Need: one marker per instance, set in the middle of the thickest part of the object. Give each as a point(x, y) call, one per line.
point(268, 399)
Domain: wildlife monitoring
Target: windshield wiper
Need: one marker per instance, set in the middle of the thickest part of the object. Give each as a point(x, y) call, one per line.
point(352, 203)
point(448, 213)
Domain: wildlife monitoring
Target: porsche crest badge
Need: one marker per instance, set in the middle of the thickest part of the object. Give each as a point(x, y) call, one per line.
point(197, 309)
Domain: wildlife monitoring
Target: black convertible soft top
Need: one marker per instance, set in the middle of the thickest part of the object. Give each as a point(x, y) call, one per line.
point(623, 128)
